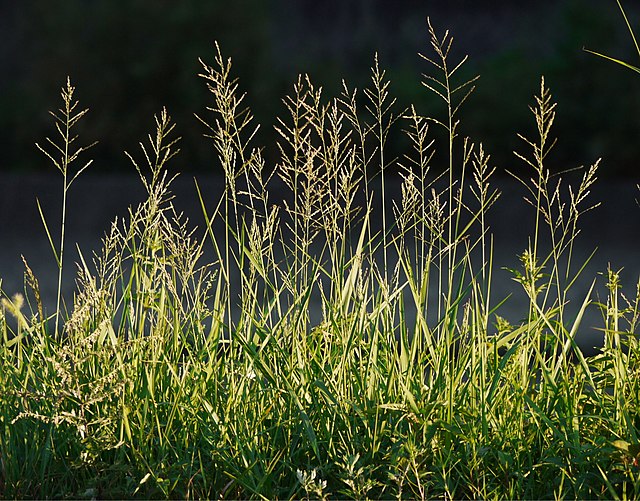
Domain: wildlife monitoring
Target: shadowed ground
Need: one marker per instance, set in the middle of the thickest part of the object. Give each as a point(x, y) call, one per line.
point(95, 201)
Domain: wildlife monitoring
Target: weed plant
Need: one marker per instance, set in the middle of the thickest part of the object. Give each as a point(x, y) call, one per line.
point(191, 363)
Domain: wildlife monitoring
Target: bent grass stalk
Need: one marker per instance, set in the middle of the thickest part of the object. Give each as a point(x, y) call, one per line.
point(185, 374)
point(633, 37)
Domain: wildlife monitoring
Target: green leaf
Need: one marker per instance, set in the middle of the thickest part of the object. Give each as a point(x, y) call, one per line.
point(618, 61)
point(632, 450)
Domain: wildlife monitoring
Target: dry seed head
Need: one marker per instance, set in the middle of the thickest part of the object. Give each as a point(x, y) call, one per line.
point(32, 282)
point(13, 306)
point(410, 203)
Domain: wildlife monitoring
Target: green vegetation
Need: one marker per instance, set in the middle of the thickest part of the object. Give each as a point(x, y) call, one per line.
point(635, 44)
point(191, 366)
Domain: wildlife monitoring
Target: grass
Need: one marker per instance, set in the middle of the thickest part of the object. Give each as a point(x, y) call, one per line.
point(191, 365)
point(633, 38)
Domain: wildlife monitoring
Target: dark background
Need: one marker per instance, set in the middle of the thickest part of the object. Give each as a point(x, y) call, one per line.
point(130, 58)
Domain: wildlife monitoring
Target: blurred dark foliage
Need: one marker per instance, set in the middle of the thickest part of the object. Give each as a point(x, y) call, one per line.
point(129, 58)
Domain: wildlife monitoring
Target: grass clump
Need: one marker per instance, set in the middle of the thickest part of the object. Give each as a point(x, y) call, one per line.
point(337, 343)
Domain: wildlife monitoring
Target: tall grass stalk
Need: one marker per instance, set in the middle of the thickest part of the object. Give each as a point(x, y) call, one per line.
point(62, 154)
